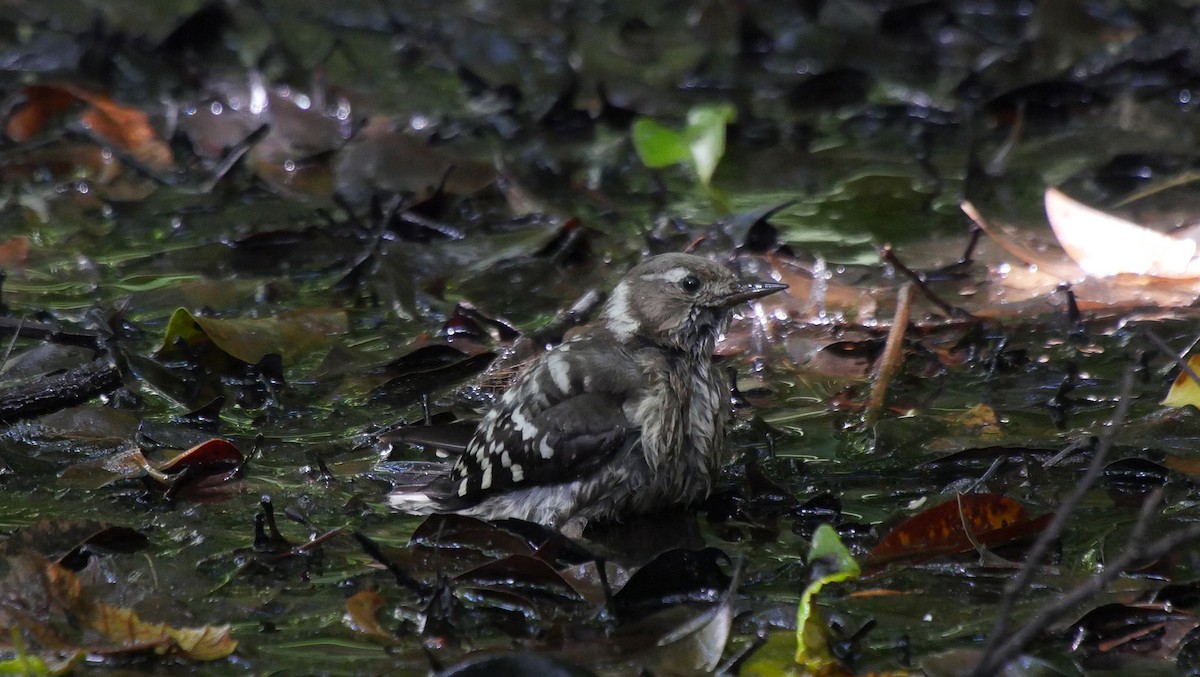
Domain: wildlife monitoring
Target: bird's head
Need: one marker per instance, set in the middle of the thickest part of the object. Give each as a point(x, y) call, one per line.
point(678, 301)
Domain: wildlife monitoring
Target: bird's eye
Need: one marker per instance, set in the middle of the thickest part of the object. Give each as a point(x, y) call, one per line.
point(690, 284)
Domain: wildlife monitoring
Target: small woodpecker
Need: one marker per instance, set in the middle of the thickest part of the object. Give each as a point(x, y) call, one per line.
point(627, 417)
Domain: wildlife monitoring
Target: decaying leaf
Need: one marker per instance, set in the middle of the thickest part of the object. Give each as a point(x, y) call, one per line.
point(381, 158)
point(981, 418)
point(212, 463)
point(1185, 390)
point(943, 529)
point(360, 616)
point(60, 614)
point(14, 252)
point(289, 335)
point(120, 125)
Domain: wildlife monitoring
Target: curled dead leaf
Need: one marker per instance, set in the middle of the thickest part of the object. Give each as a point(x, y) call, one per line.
point(1105, 245)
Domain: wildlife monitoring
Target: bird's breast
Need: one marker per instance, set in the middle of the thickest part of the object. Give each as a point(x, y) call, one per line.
point(681, 419)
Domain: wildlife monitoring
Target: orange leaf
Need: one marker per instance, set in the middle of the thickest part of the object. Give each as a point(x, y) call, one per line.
point(992, 519)
point(123, 627)
point(14, 252)
point(42, 102)
point(361, 610)
point(1184, 464)
point(122, 126)
point(204, 643)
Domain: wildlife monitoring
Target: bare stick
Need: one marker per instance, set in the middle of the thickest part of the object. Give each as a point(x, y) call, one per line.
point(53, 393)
point(1019, 583)
point(887, 255)
point(1165, 347)
point(893, 353)
point(991, 663)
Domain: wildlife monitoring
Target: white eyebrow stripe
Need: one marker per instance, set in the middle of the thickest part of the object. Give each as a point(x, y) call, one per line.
point(672, 275)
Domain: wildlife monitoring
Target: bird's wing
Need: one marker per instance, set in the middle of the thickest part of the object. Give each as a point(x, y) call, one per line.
point(563, 418)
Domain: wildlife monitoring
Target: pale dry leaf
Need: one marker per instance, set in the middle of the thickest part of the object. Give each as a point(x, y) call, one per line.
point(1105, 245)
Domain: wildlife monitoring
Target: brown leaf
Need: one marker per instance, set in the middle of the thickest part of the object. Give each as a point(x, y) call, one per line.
point(380, 158)
point(121, 625)
point(361, 615)
point(14, 252)
point(992, 519)
point(122, 126)
point(206, 456)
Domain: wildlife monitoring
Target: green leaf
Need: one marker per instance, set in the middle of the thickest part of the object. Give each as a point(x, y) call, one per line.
point(24, 665)
point(705, 134)
point(658, 146)
point(826, 545)
point(829, 556)
point(774, 658)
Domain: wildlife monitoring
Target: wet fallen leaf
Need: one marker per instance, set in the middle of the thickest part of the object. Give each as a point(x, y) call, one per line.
point(65, 614)
point(1153, 630)
point(360, 616)
point(289, 335)
point(521, 574)
point(380, 158)
point(1048, 257)
point(688, 642)
point(992, 519)
point(214, 453)
point(205, 643)
point(53, 539)
point(212, 463)
point(980, 418)
point(1184, 464)
point(124, 464)
point(14, 252)
point(1185, 390)
point(117, 124)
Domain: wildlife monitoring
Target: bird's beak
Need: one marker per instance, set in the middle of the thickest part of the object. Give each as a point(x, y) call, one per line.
point(746, 291)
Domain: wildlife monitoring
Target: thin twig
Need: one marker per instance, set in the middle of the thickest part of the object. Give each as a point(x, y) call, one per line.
point(1166, 348)
point(892, 357)
point(991, 655)
point(991, 663)
point(888, 256)
point(968, 255)
point(45, 332)
point(13, 343)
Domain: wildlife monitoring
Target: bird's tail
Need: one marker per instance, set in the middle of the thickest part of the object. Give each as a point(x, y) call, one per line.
point(414, 501)
point(420, 488)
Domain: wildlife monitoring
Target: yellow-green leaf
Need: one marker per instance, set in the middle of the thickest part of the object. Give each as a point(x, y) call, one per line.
point(657, 145)
point(1185, 390)
point(776, 657)
point(706, 137)
point(832, 563)
point(289, 335)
